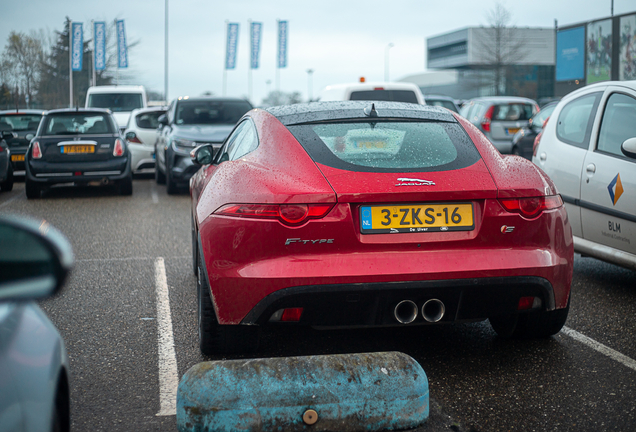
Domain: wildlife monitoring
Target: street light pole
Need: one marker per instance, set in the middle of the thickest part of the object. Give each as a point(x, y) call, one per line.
point(386, 61)
point(165, 74)
point(309, 84)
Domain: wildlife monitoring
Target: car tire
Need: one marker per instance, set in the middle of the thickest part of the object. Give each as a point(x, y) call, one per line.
point(215, 338)
point(195, 248)
point(160, 177)
point(531, 325)
point(7, 185)
point(33, 190)
point(171, 185)
point(126, 186)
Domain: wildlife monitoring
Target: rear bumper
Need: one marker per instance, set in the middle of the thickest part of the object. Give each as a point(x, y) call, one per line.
point(84, 172)
point(373, 304)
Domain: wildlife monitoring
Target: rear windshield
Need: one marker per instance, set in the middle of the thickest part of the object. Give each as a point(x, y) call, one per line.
point(116, 102)
point(513, 112)
point(385, 95)
point(20, 122)
point(210, 112)
point(78, 123)
point(389, 146)
point(148, 120)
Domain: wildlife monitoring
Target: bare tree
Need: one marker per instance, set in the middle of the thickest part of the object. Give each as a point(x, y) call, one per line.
point(501, 46)
point(21, 59)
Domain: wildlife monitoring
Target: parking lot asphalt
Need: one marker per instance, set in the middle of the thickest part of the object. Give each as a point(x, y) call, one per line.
point(583, 379)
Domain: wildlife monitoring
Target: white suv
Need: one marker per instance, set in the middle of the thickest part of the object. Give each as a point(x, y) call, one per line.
point(588, 148)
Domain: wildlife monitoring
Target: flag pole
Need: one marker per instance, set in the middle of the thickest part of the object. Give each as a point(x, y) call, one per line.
point(70, 62)
point(94, 48)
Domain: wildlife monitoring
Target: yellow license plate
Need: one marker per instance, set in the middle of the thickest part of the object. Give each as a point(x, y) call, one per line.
point(78, 149)
point(512, 131)
point(370, 144)
point(409, 218)
point(17, 158)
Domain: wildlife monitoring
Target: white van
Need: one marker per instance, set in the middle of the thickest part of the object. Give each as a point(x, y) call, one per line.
point(121, 100)
point(382, 91)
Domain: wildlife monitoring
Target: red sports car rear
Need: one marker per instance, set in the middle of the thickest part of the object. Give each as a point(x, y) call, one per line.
point(359, 214)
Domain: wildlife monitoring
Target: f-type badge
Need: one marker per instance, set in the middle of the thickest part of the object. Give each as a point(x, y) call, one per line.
point(405, 181)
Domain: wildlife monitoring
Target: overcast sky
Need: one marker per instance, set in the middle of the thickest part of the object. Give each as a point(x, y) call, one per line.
point(340, 40)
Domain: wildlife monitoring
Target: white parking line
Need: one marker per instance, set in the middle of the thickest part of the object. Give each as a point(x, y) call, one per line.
point(168, 375)
point(615, 355)
point(153, 194)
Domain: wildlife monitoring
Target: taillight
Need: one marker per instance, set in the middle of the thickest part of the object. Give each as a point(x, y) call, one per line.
point(531, 207)
point(485, 122)
point(535, 145)
point(289, 214)
point(118, 150)
point(133, 138)
point(36, 152)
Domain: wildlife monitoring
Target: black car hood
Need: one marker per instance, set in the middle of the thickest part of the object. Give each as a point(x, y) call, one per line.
point(204, 133)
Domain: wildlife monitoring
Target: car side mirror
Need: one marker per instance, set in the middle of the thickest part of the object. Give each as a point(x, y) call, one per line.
point(35, 259)
point(629, 148)
point(202, 155)
point(163, 119)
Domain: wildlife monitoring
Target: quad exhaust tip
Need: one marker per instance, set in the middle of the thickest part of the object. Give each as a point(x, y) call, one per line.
point(433, 310)
point(405, 312)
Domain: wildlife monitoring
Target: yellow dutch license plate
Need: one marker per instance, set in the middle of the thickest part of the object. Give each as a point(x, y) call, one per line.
point(370, 144)
point(410, 218)
point(512, 131)
point(17, 158)
point(78, 149)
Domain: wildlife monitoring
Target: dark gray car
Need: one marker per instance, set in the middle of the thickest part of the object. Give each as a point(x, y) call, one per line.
point(6, 169)
point(500, 117)
point(191, 122)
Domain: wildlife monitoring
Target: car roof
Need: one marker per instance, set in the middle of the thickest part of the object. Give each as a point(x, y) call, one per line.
point(117, 88)
point(503, 99)
point(22, 111)
point(79, 110)
point(210, 98)
point(148, 109)
point(345, 110)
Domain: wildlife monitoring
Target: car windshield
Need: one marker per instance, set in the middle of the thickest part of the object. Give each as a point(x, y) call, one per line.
point(210, 112)
point(148, 120)
point(20, 122)
point(78, 123)
point(385, 95)
point(116, 102)
point(388, 146)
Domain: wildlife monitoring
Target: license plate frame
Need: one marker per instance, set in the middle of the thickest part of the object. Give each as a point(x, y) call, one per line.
point(77, 149)
point(432, 217)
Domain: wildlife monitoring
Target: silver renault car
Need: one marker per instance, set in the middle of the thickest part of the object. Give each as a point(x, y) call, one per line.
point(500, 117)
point(588, 148)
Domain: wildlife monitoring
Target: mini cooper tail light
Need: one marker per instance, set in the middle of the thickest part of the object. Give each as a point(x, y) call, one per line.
point(36, 152)
point(485, 123)
point(531, 207)
point(289, 214)
point(118, 150)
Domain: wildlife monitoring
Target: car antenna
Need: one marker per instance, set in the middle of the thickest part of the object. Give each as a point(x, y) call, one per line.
point(370, 111)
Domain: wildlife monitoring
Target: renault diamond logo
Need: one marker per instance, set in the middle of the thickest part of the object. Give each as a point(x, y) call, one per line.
point(405, 181)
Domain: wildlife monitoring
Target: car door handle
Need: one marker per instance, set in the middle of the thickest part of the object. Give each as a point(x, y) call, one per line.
point(591, 169)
